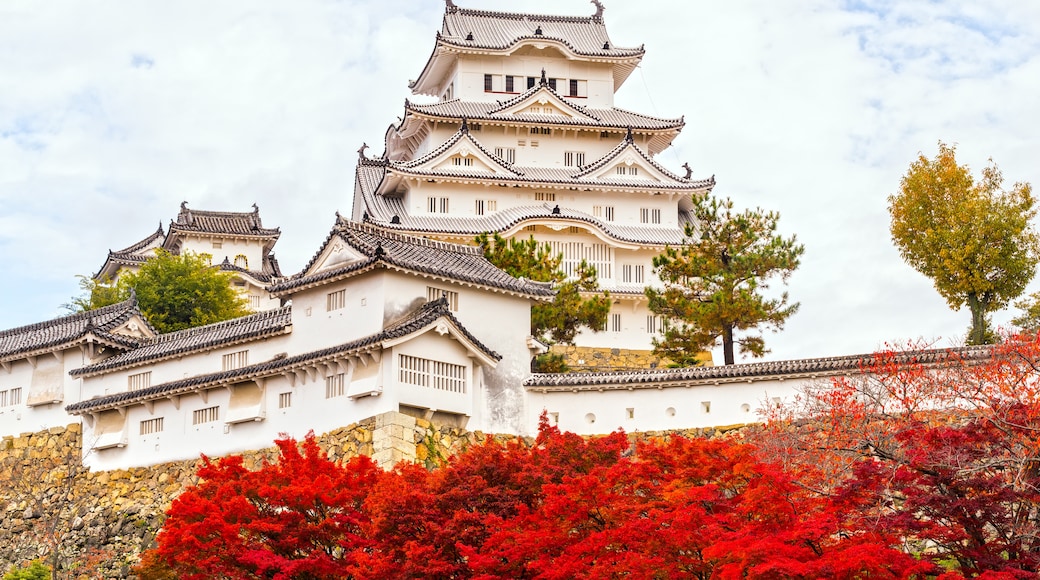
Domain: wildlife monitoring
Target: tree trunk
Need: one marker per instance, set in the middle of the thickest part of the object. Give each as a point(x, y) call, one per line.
point(727, 344)
point(978, 320)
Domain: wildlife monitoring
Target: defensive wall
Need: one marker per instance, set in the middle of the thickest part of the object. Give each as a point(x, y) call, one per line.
point(100, 521)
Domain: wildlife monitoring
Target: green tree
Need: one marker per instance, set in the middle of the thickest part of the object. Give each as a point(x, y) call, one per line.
point(36, 570)
point(173, 291)
point(713, 283)
point(572, 309)
point(973, 239)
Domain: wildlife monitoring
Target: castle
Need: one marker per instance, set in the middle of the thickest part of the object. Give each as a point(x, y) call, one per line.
point(397, 311)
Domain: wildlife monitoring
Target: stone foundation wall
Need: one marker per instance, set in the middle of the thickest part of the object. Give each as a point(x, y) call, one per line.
point(95, 524)
point(589, 359)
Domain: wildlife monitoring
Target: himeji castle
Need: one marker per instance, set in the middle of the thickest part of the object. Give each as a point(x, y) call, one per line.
point(397, 311)
point(524, 140)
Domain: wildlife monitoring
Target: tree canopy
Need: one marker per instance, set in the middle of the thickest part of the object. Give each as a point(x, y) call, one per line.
point(714, 283)
point(972, 238)
point(173, 291)
point(573, 308)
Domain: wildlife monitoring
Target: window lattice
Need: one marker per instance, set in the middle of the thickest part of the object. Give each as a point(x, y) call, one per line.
point(139, 381)
point(335, 386)
point(335, 300)
point(432, 374)
point(433, 293)
point(207, 415)
point(150, 426)
point(235, 360)
point(599, 256)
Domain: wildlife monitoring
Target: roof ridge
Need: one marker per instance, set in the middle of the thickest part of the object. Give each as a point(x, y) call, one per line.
point(196, 330)
point(74, 317)
point(525, 16)
point(377, 230)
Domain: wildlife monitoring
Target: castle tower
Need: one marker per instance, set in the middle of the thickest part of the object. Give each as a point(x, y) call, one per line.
point(524, 139)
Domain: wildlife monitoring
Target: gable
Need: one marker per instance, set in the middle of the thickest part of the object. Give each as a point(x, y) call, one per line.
point(464, 156)
point(336, 254)
point(629, 166)
point(544, 102)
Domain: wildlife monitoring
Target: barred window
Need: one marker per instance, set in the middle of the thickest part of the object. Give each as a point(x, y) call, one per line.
point(437, 204)
point(649, 216)
point(574, 158)
point(487, 83)
point(433, 374)
point(11, 397)
point(335, 300)
point(235, 360)
point(462, 161)
point(507, 154)
point(139, 381)
point(207, 415)
point(651, 324)
point(544, 196)
point(284, 400)
point(335, 386)
point(433, 293)
point(632, 273)
point(150, 426)
point(510, 84)
point(615, 322)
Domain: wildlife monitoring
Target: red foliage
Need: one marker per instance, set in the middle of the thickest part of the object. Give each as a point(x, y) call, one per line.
point(300, 517)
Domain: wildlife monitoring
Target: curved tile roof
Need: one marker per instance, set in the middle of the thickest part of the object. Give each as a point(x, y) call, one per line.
point(181, 342)
point(586, 35)
point(457, 109)
point(221, 222)
point(829, 366)
point(413, 322)
point(503, 220)
point(384, 248)
point(67, 329)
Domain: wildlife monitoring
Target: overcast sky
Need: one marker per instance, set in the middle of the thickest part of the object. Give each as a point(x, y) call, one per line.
point(112, 113)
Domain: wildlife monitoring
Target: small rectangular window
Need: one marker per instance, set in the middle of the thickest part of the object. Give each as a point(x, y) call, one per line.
point(462, 161)
point(218, 245)
point(150, 426)
point(572, 88)
point(139, 381)
point(492, 205)
point(705, 407)
point(638, 279)
point(11, 397)
point(544, 196)
point(507, 154)
point(620, 170)
point(487, 83)
point(608, 213)
point(433, 293)
point(284, 400)
point(633, 170)
point(207, 415)
point(478, 208)
point(235, 360)
point(531, 81)
point(509, 84)
point(630, 412)
point(437, 204)
point(626, 273)
point(649, 216)
point(655, 216)
point(574, 158)
point(615, 322)
point(552, 83)
point(335, 300)
point(335, 386)
point(651, 324)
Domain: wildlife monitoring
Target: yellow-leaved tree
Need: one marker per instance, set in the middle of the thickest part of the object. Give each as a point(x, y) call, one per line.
point(972, 238)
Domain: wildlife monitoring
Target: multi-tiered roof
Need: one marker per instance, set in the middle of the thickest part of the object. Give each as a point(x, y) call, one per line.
point(202, 224)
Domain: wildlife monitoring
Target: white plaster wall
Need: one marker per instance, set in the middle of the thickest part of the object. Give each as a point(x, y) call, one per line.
point(180, 439)
point(230, 248)
point(550, 148)
point(529, 62)
point(595, 412)
point(314, 327)
point(432, 346)
point(21, 418)
point(189, 365)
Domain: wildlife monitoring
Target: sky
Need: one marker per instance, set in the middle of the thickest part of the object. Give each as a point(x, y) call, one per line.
point(113, 113)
